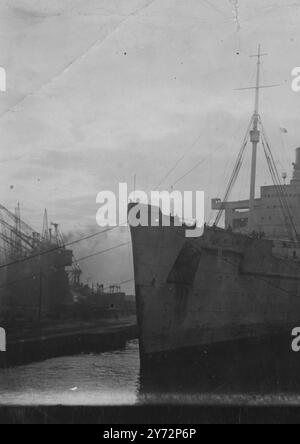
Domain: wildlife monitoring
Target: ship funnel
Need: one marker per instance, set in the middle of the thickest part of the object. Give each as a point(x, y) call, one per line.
point(296, 175)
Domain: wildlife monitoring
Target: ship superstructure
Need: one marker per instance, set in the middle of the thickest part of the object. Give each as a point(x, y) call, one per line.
point(268, 216)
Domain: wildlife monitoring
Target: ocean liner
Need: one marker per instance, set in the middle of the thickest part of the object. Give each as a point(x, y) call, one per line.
point(239, 282)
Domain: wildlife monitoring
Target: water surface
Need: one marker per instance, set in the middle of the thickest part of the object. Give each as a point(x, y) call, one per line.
point(114, 378)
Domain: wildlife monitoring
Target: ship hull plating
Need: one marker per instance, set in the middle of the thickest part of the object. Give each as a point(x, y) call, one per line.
point(221, 287)
point(35, 286)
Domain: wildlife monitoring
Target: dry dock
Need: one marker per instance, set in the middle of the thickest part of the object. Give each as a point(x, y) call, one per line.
point(68, 339)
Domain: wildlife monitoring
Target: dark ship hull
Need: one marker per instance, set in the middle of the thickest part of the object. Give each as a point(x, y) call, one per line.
point(202, 292)
point(38, 286)
point(34, 281)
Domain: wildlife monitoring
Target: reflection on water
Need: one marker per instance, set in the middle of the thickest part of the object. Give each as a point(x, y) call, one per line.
point(251, 372)
point(114, 378)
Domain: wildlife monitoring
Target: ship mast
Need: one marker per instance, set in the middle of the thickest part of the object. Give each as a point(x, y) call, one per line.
point(255, 139)
point(255, 134)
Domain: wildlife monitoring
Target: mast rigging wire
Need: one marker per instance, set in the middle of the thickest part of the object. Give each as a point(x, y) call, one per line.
point(235, 173)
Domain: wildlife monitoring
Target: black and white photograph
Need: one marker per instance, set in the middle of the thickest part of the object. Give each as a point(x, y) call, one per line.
point(149, 214)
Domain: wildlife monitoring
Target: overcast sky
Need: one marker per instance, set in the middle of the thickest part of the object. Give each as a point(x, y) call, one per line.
point(100, 90)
